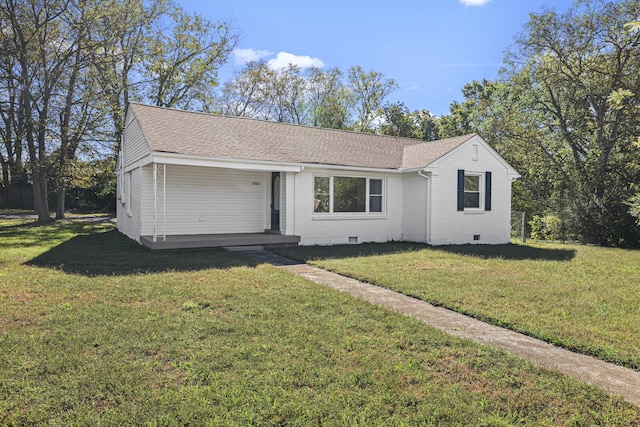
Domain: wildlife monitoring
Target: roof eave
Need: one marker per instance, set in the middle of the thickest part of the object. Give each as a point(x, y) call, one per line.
point(253, 164)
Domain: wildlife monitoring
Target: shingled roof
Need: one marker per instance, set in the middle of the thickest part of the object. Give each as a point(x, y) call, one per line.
point(216, 136)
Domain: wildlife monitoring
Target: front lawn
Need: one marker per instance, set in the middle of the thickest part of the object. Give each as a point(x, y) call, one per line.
point(95, 330)
point(583, 298)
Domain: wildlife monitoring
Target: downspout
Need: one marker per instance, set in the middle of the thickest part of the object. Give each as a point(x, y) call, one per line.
point(164, 202)
point(155, 201)
point(428, 208)
point(122, 190)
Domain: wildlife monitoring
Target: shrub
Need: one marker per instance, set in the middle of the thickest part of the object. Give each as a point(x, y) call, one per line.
point(548, 227)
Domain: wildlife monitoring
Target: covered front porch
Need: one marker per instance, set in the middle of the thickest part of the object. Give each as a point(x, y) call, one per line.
point(208, 206)
point(193, 241)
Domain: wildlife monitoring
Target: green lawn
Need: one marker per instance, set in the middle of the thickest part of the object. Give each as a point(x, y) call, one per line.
point(583, 298)
point(95, 330)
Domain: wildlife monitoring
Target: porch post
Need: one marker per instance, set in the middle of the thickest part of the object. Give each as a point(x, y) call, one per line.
point(164, 202)
point(290, 203)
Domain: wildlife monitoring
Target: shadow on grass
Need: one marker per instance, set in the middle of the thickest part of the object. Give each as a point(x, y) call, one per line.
point(111, 253)
point(507, 252)
point(510, 252)
point(31, 233)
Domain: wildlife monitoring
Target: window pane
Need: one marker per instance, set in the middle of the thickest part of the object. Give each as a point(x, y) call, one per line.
point(471, 183)
point(349, 194)
point(375, 203)
point(375, 186)
point(321, 194)
point(471, 200)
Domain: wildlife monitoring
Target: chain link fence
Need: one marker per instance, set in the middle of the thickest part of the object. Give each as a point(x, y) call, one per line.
point(519, 226)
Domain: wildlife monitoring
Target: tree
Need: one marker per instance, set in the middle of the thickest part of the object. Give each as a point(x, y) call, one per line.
point(12, 125)
point(580, 73)
point(70, 67)
point(367, 92)
point(314, 97)
point(79, 101)
point(327, 98)
point(397, 120)
point(42, 45)
point(183, 60)
point(286, 94)
point(121, 33)
point(245, 95)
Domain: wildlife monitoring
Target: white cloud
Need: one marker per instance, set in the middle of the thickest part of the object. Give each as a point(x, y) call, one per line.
point(283, 59)
point(242, 56)
point(474, 2)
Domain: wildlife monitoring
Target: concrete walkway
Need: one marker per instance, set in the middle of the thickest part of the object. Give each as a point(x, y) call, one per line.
point(612, 378)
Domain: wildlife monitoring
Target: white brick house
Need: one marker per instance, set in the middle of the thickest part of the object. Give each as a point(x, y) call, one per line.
point(190, 179)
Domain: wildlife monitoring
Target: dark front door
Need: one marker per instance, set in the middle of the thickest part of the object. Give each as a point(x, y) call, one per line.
point(275, 200)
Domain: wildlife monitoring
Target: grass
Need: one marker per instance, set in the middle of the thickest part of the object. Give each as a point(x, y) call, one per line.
point(95, 330)
point(583, 298)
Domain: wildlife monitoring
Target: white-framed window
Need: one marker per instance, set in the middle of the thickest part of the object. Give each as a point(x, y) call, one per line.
point(347, 194)
point(472, 184)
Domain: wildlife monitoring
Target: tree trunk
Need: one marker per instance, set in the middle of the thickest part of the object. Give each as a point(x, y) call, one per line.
point(62, 193)
point(40, 204)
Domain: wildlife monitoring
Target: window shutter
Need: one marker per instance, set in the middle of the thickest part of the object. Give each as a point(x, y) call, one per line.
point(460, 189)
point(487, 191)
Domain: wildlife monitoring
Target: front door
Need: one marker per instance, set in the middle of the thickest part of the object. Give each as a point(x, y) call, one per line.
point(275, 200)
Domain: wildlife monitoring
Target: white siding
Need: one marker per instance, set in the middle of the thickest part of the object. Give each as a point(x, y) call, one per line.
point(330, 229)
point(414, 212)
point(288, 213)
point(134, 146)
point(450, 226)
point(203, 200)
point(128, 209)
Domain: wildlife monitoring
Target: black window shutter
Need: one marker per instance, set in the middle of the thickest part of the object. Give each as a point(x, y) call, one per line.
point(460, 189)
point(487, 192)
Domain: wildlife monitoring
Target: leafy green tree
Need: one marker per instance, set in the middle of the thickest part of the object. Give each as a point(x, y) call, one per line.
point(315, 97)
point(578, 75)
point(41, 43)
point(327, 98)
point(367, 93)
point(70, 68)
point(246, 93)
point(11, 125)
point(288, 95)
point(183, 59)
point(121, 33)
point(399, 121)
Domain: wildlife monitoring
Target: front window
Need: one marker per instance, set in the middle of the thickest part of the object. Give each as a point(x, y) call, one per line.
point(347, 194)
point(472, 191)
point(321, 194)
point(375, 195)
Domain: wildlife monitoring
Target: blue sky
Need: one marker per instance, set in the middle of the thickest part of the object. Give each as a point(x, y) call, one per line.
point(431, 48)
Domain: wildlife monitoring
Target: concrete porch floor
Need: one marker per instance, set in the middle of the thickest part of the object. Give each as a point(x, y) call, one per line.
point(187, 241)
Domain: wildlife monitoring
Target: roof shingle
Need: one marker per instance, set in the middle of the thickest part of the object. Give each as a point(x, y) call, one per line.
point(216, 136)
